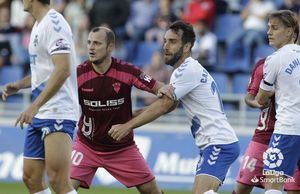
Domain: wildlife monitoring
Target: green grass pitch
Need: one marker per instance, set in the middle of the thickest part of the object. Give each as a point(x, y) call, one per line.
point(19, 188)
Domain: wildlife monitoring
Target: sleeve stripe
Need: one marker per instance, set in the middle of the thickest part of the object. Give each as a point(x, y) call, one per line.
point(267, 83)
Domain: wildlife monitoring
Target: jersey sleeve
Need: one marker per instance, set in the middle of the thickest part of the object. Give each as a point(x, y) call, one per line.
point(59, 37)
point(270, 72)
point(184, 79)
point(142, 80)
point(256, 78)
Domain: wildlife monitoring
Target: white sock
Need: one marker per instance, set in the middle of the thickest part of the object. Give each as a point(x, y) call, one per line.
point(210, 192)
point(46, 191)
point(72, 192)
point(273, 191)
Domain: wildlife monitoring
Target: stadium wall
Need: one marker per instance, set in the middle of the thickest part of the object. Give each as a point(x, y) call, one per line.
point(172, 156)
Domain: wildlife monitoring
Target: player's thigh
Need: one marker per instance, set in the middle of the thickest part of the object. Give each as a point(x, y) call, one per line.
point(293, 192)
point(281, 156)
point(85, 162)
point(128, 166)
point(75, 184)
point(58, 148)
point(241, 188)
point(34, 169)
point(205, 183)
point(292, 185)
point(149, 187)
point(251, 169)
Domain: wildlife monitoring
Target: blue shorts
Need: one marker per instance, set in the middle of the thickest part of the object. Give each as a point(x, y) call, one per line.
point(215, 160)
point(37, 131)
point(283, 154)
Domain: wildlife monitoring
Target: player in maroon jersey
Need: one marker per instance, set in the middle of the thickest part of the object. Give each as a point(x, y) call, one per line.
point(251, 170)
point(104, 87)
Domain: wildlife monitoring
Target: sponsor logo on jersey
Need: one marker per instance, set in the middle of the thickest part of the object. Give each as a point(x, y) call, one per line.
point(61, 44)
point(146, 77)
point(107, 103)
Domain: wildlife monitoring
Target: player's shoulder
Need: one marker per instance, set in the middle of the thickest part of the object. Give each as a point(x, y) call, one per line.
point(122, 65)
point(259, 64)
point(55, 21)
point(83, 67)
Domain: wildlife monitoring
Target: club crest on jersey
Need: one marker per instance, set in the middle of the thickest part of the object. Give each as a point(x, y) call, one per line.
point(36, 40)
point(117, 86)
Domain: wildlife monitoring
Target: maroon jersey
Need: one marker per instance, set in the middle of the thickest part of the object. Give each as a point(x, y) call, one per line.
point(265, 125)
point(105, 100)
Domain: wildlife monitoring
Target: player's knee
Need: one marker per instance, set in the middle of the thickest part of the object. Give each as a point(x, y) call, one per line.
point(57, 182)
point(31, 182)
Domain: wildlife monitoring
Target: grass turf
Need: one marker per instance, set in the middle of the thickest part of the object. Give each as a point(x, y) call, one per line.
point(19, 188)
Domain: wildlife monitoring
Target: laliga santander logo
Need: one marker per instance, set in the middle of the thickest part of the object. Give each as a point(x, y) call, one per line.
point(254, 180)
point(273, 157)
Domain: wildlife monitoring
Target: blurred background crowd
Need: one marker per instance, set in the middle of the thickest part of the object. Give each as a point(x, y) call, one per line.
point(230, 34)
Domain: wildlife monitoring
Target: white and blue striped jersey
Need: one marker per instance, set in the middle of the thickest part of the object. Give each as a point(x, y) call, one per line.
point(282, 75)
point(51, 36)
point(198, 93)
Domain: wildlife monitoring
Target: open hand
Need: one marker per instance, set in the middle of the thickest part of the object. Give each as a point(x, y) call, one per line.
point(118, 132)
point(167, 90)
point(9, 89)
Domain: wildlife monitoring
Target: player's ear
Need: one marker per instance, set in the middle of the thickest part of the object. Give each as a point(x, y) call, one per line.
point(187, 47)
point(290, 32)
point(111, 46)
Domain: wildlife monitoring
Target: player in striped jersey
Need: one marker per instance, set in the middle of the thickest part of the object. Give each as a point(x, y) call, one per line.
point(104, 87)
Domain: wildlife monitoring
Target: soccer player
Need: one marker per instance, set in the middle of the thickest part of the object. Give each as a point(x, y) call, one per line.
point(104, 87)
point(281, 75)
point(53, 113)
point(198, 93)
point(251, 169)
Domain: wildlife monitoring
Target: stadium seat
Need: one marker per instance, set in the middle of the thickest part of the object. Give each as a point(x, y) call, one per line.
point(240, 83)
point(225, 24)
point(10, 74)
point(235, 65)
point(263, 51)
point(222, 81)
point(145, 52)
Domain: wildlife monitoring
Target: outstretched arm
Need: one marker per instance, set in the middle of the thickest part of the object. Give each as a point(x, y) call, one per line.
point(13, 88)
point(156, 109)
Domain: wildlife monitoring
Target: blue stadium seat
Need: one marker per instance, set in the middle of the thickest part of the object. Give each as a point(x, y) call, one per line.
point(10, 74)
point(222, 81)
point(263, 51)
point(240, 83)
point(235, 64)
point(145, 52)
point(225, 24)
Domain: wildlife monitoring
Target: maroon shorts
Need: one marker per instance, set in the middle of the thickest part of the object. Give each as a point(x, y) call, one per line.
point(127, 165)
point(251, 168)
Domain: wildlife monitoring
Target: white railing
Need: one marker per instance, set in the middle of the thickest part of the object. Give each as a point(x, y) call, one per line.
point(241, 117)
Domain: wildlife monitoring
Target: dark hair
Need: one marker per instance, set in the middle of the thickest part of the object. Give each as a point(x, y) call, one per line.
point(45, 1)
point(288, 18)
point(110, 35)
point(188, 35)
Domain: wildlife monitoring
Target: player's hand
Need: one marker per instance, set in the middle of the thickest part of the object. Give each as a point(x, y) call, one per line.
point(27, 116)
point(167, 90)
point(118, 132)
point(9, 89)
